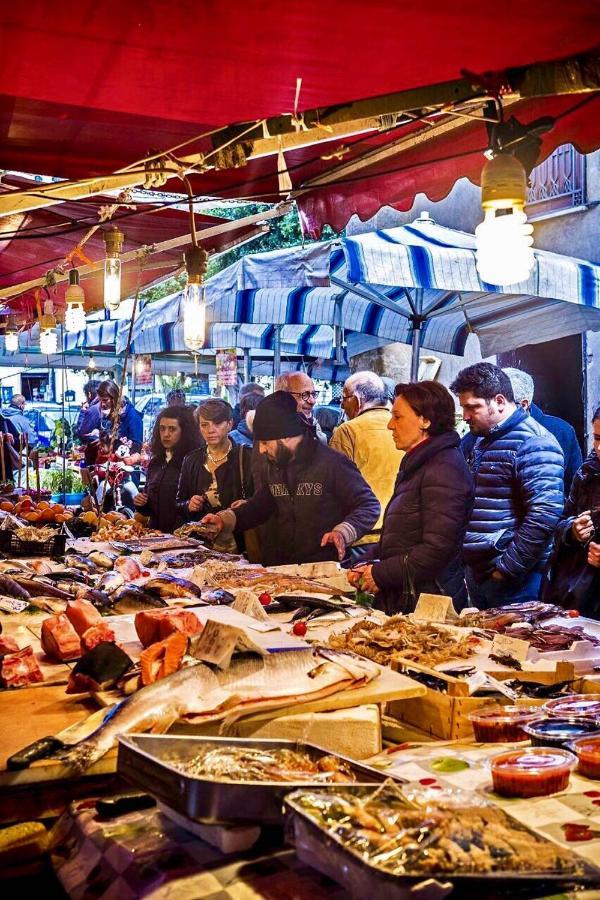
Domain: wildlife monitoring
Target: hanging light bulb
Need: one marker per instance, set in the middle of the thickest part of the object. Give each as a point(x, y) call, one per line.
point(11, 335)
point(504, 243)
point(74, 299)
point(194, 300)
point(48, 335)
point(113, 240)
point(91, 363)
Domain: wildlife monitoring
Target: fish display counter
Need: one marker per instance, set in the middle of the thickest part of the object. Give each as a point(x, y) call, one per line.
point(156, 633)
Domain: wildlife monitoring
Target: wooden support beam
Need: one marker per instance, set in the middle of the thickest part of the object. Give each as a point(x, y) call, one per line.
point(233, 225)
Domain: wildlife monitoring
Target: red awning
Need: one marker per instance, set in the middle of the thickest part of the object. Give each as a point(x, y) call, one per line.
point(24, 257)
point(85, 89)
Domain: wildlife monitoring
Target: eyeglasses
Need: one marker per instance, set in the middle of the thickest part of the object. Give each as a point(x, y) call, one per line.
point(305, 395)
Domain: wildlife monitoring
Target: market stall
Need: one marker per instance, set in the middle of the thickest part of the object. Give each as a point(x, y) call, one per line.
point(156, 624)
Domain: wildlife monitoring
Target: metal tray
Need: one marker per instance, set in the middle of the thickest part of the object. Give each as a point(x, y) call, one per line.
point(144, 760)
point(320, 850)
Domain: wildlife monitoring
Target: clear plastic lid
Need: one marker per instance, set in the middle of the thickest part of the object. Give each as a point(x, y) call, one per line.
point(563, 728)
point(587, 705)
point(533, 760)
point(505, 714)
point(588, 744)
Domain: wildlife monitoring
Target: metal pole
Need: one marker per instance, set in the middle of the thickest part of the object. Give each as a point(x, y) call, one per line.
point(247, 365)
point(417, 322)
point(339, 340)
point(277, 352)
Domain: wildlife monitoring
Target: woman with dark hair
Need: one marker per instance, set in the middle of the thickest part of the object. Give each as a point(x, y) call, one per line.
point(573, 576)
point(425, 521)
point(175, 434)
point(217, 474)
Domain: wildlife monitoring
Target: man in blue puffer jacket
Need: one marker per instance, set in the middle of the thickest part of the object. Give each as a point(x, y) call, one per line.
point(518, 469)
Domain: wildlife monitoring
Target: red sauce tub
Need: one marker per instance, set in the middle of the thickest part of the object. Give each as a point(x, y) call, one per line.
point(587, 750)
point(502, 724)
point(532, 772)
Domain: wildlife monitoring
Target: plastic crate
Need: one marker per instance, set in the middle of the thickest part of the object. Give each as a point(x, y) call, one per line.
point(13, 545)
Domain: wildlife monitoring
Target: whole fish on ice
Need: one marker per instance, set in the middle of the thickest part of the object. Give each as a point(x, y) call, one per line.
point(249, 684)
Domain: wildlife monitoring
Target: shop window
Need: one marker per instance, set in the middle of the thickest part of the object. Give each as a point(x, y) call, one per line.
point(557, 184)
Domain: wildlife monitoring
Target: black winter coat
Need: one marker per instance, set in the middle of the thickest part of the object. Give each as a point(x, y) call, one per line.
point(424, 524)
point(571, 580)
point(162, 479)
point(316, 491)
point(518, 471)
point(196, 479)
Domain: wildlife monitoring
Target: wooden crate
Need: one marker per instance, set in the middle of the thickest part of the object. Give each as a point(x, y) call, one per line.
point(445, 715)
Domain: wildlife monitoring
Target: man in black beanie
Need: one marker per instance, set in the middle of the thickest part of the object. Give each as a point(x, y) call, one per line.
point(319, 499)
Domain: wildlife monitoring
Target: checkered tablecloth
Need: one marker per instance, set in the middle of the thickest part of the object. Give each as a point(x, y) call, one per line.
point(579, 804)
point(144, 854)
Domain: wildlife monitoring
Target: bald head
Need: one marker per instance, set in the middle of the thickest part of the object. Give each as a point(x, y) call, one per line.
point(303, 389)
point(363, 390)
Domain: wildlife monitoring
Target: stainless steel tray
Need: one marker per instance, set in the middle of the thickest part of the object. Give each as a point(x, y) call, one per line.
point(323, 852)
point(145, 760)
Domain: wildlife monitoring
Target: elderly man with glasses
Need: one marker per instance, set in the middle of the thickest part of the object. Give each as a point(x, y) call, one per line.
point(366, 439)
point(302, 389)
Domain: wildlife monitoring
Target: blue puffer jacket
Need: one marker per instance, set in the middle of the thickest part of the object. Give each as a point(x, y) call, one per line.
point(519, 472)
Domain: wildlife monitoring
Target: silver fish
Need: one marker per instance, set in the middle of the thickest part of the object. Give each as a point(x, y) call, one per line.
point(172, 586)
point(102, 559)
point(110, 582)
point(74, 561)
point(250, 683)
point(156, 706)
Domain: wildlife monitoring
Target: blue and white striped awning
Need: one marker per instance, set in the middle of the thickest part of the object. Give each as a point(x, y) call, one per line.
point(93, 336)
point(371, 284)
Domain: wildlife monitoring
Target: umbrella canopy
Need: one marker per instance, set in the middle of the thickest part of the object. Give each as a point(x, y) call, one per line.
point(129, 80)
point(416, 284)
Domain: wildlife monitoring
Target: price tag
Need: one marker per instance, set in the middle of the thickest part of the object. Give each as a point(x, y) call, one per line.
point(215, 643)
point(432, 608)
point(247, 602)
point(11, 605)
point(503, 645)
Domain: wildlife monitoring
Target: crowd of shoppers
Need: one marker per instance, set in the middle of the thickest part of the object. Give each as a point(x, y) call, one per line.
point(391, 492)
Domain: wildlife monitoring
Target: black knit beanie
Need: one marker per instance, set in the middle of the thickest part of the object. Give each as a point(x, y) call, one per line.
point(277, 417)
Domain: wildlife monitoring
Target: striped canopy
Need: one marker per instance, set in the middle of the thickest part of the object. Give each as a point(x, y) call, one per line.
point(374, 284)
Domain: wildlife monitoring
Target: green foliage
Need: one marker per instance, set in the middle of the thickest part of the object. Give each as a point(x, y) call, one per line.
point(174, 382)
point(283, 232)
point(52, 480)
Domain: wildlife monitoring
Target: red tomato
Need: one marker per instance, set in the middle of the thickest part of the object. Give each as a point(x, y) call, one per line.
point(299, 629)
point(573, 613)
point(265, 598)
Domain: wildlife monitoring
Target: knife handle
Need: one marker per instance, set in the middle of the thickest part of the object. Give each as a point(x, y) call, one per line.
point(111, 807)
point(40, 749)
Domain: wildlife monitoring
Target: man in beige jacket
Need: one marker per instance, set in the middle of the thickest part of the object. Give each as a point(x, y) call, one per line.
point(367, 441)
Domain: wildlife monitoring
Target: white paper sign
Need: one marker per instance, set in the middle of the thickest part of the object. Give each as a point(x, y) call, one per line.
point(503, 645)
point(215, 643)
point(432, 608)
point(11, 605)
point(247, 602)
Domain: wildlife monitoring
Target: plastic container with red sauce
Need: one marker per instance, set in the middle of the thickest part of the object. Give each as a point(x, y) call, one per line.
point(502, 724)
point(587, 705)
point(532, 772)
point(587, 750)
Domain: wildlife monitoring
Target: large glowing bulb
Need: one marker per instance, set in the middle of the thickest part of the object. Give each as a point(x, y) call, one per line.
point(11, 341)
point(194, 317)
point(75, 318)
point(504, 247)
point(48, 342)
point(112, 283)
